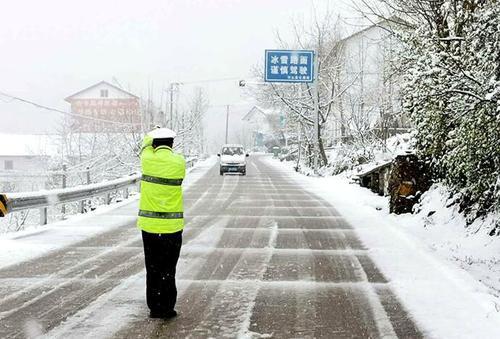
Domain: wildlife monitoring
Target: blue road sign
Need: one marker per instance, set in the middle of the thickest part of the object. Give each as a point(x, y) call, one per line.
point(289, 66)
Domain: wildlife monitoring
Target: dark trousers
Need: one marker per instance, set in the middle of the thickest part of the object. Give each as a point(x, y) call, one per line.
point(161, 252)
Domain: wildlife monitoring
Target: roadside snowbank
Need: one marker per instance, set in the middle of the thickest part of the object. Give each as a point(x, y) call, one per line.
point(444, 230)
point(446, 301)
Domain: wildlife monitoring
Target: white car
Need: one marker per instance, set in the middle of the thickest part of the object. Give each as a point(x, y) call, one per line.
point(232, 159)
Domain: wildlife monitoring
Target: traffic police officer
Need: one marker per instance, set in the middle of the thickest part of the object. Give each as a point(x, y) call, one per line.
point(161, 219)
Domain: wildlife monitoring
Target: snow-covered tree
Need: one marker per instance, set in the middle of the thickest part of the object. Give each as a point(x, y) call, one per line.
point(450, 65)
point(191, 140)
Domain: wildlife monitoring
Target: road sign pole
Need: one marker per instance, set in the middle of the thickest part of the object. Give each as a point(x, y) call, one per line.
point(316, 112)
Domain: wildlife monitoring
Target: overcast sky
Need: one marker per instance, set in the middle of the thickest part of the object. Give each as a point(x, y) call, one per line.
point(52, 48)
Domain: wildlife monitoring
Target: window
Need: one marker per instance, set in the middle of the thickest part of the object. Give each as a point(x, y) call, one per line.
point(9, 165)
point(232, 151)
point(104, 93)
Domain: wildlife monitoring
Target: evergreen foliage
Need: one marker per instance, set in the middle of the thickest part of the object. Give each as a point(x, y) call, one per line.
point(451, 88)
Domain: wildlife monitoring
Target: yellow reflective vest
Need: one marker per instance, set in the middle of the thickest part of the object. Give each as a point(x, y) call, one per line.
point(161, 206)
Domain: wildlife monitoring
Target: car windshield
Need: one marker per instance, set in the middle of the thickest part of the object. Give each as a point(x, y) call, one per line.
point(232, 151)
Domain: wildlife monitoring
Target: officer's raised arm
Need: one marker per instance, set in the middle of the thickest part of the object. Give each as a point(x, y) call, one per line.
point(147, 141)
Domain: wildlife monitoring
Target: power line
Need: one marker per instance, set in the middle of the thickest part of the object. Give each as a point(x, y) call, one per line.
point(206, 80)
point(26, 101)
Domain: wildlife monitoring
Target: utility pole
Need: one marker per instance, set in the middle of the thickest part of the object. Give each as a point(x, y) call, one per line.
point(172, 84)
point(183, 126)
point(227, 121)
point(316, 111)
point(64, 175)
point(299, 143)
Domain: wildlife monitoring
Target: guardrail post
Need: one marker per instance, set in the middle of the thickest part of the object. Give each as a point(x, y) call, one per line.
point(125, 193)
point(88, 175)
point(43, 216)
point(108, 198)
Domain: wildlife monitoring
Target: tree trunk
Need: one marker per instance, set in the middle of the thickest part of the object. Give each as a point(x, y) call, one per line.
point(322, 153)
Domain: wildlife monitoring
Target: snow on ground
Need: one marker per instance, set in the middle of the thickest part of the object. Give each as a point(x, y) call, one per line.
point(446, 301)
point(38, 240)
point(442, 228)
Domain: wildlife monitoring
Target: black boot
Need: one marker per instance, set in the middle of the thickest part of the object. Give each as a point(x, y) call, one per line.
point(163, 315)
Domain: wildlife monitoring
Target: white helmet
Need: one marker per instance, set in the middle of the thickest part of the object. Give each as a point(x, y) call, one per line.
point(162, 133)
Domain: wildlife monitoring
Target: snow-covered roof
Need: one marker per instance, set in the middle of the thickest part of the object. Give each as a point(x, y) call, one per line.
point(27, 144)
point(384, 24)
point(102, 83)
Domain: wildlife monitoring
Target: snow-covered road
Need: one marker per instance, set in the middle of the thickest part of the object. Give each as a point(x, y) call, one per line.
point(263, 256)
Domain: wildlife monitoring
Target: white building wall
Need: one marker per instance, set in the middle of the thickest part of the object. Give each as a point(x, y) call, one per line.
point(371, 91)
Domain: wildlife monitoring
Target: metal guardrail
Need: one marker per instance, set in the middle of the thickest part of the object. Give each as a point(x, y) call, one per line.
point(44, 199)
